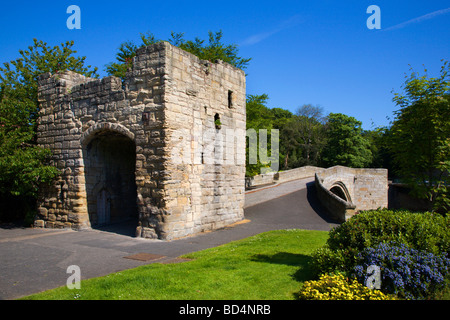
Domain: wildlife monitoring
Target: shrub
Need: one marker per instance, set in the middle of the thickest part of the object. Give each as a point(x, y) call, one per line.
point(406, 272)
point(325, 260)
point(337, 287)
point(421, 231)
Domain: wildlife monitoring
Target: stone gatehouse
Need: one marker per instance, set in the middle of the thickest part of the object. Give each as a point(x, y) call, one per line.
point(151, 148)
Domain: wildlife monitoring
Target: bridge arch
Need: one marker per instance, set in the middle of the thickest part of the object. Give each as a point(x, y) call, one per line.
point(340, 189)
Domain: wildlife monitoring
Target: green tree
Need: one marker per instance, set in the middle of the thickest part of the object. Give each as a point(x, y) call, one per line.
point(302, 137)
point(311, 133)
point(420, 136)
point(281, 116)
point(281, 119)
point(379, 146)
point(290, 144)
point(127, 51)
point(346, 144)
point(23, 164)
point(259, 117)
point(212, 50)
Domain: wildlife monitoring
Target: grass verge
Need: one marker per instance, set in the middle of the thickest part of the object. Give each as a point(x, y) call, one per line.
point(271, 265)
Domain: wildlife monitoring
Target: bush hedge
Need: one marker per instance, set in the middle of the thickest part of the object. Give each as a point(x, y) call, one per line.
point(414, 265)
point(421, 231)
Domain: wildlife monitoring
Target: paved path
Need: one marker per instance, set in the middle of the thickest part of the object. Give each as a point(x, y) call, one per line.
point(274, 191)
point(34, 260)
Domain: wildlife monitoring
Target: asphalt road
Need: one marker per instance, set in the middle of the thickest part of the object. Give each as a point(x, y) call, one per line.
point(34, 260)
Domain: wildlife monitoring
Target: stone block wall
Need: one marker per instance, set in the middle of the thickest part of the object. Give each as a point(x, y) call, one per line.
point(365, 188)
point(338, 208)
point(370, 189)
point(185, 120)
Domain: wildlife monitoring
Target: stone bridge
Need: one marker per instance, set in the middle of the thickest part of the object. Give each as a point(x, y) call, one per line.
point(342, 191)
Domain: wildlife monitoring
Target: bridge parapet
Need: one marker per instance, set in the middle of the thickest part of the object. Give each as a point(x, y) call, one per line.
point(281, 176)
point(345, 191)
point(338, 208)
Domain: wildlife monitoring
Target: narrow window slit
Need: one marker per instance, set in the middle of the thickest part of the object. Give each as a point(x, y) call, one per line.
point(230, 99)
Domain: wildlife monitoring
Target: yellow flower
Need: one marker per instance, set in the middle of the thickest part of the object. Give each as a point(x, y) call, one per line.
point(336, 287)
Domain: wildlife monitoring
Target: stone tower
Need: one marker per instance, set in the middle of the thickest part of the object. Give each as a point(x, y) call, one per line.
point(166, 147)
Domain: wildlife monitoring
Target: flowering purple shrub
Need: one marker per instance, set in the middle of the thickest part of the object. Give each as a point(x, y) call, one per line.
point(406, 272)
point(422, 231)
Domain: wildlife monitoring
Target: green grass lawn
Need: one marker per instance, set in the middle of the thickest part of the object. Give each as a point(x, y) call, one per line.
point(270, 265)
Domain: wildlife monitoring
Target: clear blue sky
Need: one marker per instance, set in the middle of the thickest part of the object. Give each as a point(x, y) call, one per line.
point(303, 52)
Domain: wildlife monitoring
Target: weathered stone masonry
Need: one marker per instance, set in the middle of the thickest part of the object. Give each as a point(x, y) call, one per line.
point(345, 191)
point(140, 148)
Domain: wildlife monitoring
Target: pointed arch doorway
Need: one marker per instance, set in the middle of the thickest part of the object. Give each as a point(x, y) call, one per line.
point(110, 164)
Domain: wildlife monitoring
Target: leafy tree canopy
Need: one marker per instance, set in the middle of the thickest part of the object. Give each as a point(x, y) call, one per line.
point(211, 50)
point(259, 116)
point(420, 135)
point(346, 144)
point(22, 163)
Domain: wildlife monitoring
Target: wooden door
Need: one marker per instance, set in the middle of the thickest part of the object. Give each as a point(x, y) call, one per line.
point(103, 207)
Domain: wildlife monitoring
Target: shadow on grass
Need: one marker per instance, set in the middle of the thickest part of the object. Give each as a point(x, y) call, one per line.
point(304, 272)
